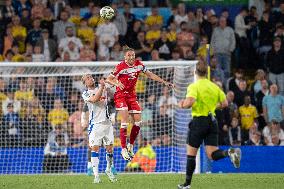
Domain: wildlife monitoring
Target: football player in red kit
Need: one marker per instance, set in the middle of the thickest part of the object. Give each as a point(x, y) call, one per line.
point(124, 77)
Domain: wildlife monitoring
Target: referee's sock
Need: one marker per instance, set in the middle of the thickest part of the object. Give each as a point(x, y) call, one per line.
point(219, 154)
point(190, 167)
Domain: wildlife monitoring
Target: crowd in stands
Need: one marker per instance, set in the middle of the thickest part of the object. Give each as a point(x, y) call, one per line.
point(249, 45)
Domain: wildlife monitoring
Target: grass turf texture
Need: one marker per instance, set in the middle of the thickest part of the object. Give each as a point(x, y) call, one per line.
point(142, 181)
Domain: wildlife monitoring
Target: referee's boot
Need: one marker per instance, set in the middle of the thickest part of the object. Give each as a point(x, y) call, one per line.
point(235, 155)
point(183, 186)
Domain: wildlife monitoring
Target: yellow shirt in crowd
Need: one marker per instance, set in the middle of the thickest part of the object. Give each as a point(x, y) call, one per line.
point(86, 34)
point(24, 95)
point(152, 20)
point(58, 117)
point(95, 21)
point(247, 114)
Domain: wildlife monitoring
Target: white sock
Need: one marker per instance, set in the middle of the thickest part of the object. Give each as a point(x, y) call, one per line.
point(95, 162)
point(89, 164)
point(109, 158)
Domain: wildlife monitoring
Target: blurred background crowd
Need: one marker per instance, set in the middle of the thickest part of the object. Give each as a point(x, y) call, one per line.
point(246, 57)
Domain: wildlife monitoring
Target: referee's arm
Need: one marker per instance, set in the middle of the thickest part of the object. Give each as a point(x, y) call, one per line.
point(186, 103)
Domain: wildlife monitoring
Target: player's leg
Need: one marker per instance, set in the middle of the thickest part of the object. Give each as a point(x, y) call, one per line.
point(122, 111)
point(194, 140)
point(135, 112)
point(95, 141)
point(108, 141)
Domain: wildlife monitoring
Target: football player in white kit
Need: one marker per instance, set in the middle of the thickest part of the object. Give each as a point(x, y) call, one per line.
point(100, 130)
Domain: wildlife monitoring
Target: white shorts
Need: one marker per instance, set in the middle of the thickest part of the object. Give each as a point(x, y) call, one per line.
point(101, 133)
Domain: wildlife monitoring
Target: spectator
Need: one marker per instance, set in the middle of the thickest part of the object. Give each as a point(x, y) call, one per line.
point(129, 17)
point(58, 115)
point(273, 134)
point(88, 14)
point(35, 33)
point(154, 18)
point(189, 54)
point(60, 26)
point(11, 100)
point(207, 27)
point(203, 49)
point(151, 104)
point(172, 33)
point(29, 49)
point(164, 46)
point(75, 18)
point(142, 48)
point(241, 92)
point(171, 19)
point(48, 46)
point(9, 55)
point(58, 7)
point(256, 85)
point(19, 33)
point(47, 20)
point(144, 159)
point(258, 102)
point(116, 53)
point(12, 124)
point(120, 23)
point(275, 59)
point(248, 115)
point(162, 127)
point(223, 43)
point(192, 23)
point(8, 11)
point(75, 126)
point(56, 159)
point(234, 133)
point(132, 32)
point(26, 20)
point(216, 72)
point(95, 20)
point(8, 39)
point(181, 14)
point(87, 53)
point(176, 54)
point(86, 33)
point(168, 100)
point(37, 55)
point(23, 94)
point(155, 56)
point(225, 13)
point(19, 5)
point(273, 105)
point(266, 28)
point(280, 15)
point(107, 35)
point(153, 34)
point(234, 82)
point(240, 26)
point(185, 39)
point(255, 139)
point(37, 10)
point(70, 44)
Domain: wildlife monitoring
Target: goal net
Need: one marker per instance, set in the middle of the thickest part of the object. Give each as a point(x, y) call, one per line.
point(41, 129)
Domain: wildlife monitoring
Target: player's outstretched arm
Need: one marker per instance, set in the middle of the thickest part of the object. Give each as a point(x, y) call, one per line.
point(98, 94)
point(155, 77)
point(112, 80)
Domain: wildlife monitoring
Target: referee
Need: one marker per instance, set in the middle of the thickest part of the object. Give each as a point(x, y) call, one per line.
point(203, 96)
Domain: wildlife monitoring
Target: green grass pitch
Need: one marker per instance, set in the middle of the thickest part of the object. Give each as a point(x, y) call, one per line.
point(144, 181)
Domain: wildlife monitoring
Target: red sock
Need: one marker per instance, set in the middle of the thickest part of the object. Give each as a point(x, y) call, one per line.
point(134, 133)
point(123, 136)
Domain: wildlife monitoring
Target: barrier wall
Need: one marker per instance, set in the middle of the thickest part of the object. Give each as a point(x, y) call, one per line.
point(254, 160)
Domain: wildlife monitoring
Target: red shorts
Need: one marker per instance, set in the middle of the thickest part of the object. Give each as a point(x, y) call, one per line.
point(128, 102)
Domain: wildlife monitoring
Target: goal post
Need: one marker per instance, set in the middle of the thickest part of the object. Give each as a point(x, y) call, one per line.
point(41, 109)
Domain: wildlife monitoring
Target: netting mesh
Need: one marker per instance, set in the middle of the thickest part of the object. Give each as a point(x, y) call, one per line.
point(41, 129)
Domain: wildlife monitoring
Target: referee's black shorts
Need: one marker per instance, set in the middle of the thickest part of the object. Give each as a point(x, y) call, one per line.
point(202, 129)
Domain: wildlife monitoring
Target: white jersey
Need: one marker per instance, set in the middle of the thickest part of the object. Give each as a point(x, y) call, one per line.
point(98, 112)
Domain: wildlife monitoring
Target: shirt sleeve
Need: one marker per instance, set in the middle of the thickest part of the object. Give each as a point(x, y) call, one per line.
point(191, 91)
point(264, 102)
point(116, 70)
point(86, 96)
point(222, 96)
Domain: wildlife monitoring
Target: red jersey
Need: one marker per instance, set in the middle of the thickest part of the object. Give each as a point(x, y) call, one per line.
point(128, 75)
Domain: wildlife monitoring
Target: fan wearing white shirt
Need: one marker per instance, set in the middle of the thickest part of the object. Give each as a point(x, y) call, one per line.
point(37, 55)
point(100, 128)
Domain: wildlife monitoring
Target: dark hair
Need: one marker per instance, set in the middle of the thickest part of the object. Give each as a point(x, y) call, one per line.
point(201, 68)
point(126, 49)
